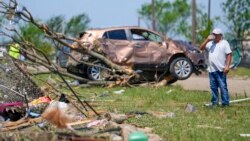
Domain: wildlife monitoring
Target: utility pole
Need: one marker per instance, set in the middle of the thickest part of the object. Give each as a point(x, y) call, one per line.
point(193, 22)
point(139, 21)
point(153, 14)
point(209, 8)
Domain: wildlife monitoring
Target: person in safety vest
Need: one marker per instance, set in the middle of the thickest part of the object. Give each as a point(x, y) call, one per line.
point(14, 51)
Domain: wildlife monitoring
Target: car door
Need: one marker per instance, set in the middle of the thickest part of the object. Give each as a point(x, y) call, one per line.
point(117, 47)
point(157, 49)
point(148, 47)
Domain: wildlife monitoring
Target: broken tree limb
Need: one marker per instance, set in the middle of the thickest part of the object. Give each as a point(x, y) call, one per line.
point(19, 94)
point(25, 14)
point(79, 100)
point(24, 122)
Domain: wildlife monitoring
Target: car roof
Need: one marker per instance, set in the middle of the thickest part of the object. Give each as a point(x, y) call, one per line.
point(100, 31)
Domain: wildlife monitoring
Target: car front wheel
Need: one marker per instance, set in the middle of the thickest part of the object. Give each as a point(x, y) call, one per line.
point(181, 68)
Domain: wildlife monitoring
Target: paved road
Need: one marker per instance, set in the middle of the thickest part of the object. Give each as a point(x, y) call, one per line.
point(235, 85)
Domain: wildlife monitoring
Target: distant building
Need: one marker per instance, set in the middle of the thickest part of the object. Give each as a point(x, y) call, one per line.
point(246, 53)
point(246, 50)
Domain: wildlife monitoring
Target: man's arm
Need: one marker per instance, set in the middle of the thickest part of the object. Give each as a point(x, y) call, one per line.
point(203, 45)
point(228, 62)
point(208, 39)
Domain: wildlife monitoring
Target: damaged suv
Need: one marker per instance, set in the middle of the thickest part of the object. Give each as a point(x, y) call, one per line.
point(152, 55)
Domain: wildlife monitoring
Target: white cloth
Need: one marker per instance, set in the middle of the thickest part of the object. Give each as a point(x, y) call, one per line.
point(217, 53)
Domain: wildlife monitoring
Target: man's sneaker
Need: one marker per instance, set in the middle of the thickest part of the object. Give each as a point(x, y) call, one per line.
point(214, 105)
point(224, 105)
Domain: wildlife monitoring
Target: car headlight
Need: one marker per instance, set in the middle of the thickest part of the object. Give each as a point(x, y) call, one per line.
point(195, 51)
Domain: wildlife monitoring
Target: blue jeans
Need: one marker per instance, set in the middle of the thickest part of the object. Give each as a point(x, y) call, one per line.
point(219, 80)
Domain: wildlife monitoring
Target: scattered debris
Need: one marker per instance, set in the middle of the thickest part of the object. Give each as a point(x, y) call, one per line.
point(190, 108)
point(169, 91)
point(60, 114)
point(102, 122)
point(74, 83)
point(138, 136)
point(128, 129)
point(119, 91)
point(162, 114)
point(12, 111)
point(136, 113)
point(208, 126)
point(115, 137)
point(245, 135)
point(118, 118)
point(170, 115)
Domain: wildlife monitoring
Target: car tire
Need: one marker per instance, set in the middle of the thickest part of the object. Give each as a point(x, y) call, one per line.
point(181, 68)
point(97, 73)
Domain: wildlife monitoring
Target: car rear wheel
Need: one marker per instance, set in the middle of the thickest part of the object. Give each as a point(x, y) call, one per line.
point(97, 72)
point(181, 68)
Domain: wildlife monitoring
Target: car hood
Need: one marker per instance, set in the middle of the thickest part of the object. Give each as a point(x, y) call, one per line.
point(174, 47)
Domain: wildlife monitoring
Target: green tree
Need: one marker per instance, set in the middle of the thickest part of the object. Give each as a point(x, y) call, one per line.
point(34, 35)
point(73, 27)
point(168, 14)
point(238, 17)
point(174, 18)
point(56, 23)
point(204, 27)
point(77, 24)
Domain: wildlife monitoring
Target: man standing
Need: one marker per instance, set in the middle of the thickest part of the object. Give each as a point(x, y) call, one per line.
point(219, 58)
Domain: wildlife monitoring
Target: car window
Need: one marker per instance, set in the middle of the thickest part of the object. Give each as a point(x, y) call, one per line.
point(105, 35)
point(138, 37)
point(154, 37)
point(115, 35)
point(139, 34)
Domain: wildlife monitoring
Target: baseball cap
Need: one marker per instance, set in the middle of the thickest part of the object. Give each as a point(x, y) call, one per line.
point(217, 31)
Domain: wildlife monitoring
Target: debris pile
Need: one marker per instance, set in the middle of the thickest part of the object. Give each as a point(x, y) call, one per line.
point(33, 111)
point(15, 83)
point(61, 116)
point(16, 90)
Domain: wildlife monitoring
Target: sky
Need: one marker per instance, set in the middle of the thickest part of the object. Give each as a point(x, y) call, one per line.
point(102, 13)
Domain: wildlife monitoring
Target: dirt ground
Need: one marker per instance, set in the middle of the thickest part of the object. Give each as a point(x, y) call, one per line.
point(239, 86)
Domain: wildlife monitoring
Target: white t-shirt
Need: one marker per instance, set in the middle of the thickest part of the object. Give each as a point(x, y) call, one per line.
point(217, 55)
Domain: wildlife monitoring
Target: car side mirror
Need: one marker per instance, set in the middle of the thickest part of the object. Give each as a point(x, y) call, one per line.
point(165, 44)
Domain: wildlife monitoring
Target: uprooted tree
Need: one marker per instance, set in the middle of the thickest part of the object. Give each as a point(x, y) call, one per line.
point(18, 79)
point(10, 11)
point(120, 75)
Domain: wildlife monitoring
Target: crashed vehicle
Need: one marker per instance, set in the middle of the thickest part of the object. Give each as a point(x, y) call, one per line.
point(147, 52)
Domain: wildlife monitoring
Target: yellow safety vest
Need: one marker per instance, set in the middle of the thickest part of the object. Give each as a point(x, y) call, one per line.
point(14, 51)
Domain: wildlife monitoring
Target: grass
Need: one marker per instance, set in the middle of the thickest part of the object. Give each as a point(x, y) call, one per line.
point(205, 124)
point(240, 71)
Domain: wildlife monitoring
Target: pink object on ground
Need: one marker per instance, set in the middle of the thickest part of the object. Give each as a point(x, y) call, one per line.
point(12, 104)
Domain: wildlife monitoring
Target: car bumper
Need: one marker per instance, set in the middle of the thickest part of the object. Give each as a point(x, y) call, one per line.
point(198, 60)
